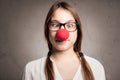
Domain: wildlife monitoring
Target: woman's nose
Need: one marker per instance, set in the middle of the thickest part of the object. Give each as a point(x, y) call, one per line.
point(62, 27)
point(62, 35)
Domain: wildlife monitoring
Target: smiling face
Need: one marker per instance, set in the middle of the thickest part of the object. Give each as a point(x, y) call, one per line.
point(63, 16)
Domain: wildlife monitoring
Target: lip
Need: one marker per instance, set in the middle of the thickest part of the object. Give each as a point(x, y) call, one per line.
point(57, 40)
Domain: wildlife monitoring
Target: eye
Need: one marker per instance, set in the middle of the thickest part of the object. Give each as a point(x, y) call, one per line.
point(54, 24)
point(70, 25)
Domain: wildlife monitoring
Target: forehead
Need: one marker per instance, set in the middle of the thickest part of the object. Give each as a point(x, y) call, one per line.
point(62, 15)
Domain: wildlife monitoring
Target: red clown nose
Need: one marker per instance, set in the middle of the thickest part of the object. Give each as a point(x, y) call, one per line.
point(62, 35)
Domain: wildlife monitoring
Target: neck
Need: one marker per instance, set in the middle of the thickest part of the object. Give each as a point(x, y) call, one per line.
point(64, 55)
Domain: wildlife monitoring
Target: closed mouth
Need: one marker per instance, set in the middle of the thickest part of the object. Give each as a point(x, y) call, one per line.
point(58, 40)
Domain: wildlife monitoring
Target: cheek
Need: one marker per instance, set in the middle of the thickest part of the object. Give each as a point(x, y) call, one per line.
point(52, 36)
point(73, 36)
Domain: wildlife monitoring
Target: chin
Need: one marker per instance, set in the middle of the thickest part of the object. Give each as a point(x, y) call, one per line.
point(62, 48)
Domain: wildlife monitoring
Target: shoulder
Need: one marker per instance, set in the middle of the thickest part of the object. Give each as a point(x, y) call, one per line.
point(96, 67)
point(93, 61)
point(36, 64)
point(34, 70)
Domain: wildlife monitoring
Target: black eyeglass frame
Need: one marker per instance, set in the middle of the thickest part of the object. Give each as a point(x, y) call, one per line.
point(62, 24)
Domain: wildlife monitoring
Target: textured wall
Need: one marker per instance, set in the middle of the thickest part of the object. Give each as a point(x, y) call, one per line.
point(22, 37)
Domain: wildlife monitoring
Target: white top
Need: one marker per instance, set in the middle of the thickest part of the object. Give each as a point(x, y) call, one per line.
point(34, 70)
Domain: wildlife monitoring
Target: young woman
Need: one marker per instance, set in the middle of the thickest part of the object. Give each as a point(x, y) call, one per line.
point(64, 61)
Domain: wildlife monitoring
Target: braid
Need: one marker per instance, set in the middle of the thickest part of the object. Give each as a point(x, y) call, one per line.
point(86, 70)
point(49, 68)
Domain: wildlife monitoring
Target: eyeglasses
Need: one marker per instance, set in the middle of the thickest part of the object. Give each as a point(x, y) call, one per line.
point(55, 25)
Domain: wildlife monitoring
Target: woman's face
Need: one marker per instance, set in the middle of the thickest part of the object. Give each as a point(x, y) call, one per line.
point(62, 16)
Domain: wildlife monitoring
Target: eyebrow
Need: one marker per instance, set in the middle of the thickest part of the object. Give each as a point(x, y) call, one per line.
point(60, 22)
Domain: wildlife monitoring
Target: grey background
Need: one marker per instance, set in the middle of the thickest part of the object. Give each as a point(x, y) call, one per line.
point(22, 37)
